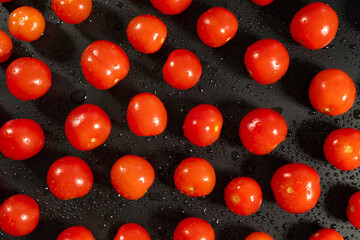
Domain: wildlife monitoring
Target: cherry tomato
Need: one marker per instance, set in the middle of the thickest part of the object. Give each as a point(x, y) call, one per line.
point(262, 130)
point(353, 210)
point(76, 233)
point(259, 236)
point(146, 33)
point(195, 177)
point(87, 127)
point(296, 187)
point(28, 78)
point(182, 69)
point(72, 12)
point(146, 115)
point(314, 26)
point(6, 46)
point(19, 215)
point(4, 1)
point(193, 228)
point(69, 178)
point(326, 234)
point(217, 26)
point(132, 176)
point(203, 125)
point(21, 139)
point(243, 196)
point(332, 92)
point(267, 61)
point(132, 231)
point(262, 2)
point(26, 24)
point(171, 7)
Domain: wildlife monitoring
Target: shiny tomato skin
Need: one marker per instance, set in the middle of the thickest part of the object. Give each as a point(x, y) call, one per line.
point(19, 215)
point(203, 124)
point(182, 69)
point(87, 127)
point(243, 196)
point(76, 233)
point(217, 26)
point(21, 139)
point(259, 236)
point(262, 2)
point(296, 187)
point(72, 12)
point(195, 177)
point(104, 64)
point(6, 46)
point(28, 78)
point(353, 210)
point(132, 231)
point(132, 176)
point(332, 92)
point(314, 26)
point(193, 228)
point(146, 33)
point(262, 130)
point(146, 115)
point(26, 24)
point(267, 61)
point(342, 149)
point(171, 7)
point(326, 234)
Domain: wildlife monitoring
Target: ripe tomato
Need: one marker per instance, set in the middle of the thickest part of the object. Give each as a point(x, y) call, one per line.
point(21, 139)
point(146, 115)
point(267, 61)
point(72, 12)
point(353, 210)
point(104, 64)
point(203, 125)
point(132, 176)
point(261, 130)
point(19, 215)
point(259, 236)
point(182, 69)
point(6, 46)
point(4, 1)
point(195, 177)
point(28, 78)
point(193, 228)
point(332, 92)
point(69, 178)
point(146, 33)
point(217, 26)
point(76, 233)
point(171, 7)
point(87, 127)
point(26, 24)
point(314, 26)
point(296, 187)
point(243, 196)
point(132, 231)
point(326, 234)
point(262, 2)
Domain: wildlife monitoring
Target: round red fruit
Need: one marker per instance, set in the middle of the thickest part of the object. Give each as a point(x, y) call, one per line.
point(193, 228)
point(259, 236)
point(6, 46)
point(262, 2)
point(326, 234)
point(132, 231)
point(171, 7)
point(76, 233)
point(72, 12)
point(353, 210)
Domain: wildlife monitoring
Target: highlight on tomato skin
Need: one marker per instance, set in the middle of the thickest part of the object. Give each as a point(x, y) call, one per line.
point(171, 7)
point(76, 233)
point(132, 231)
point(326, 234)
point(72, 12)
point(194, 228)
point(6, 46)
point(353, 210)
point(259, 236)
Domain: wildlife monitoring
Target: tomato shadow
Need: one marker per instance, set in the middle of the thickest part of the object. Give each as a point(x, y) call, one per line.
point(47, 229)
point(235, 232)
point(301, 231)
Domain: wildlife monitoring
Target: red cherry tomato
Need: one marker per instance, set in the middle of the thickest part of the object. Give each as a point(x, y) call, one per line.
point(146, 33)
point(182, 69)
point(104, 64)
point(243, 196)
point(259, 236)
point(342, 149)
point(262, 130)
point(72, 12)
point(132, 176)
point(171, 7)
point(87, 127)
point(296, 187)
point(26, 24)
point(4, 1)
point(28, 78)
point(195, 177)
point(69, 178)
point(76, 233)
point(193, 228)
point(146, 115)
point(132, 231)
point(353, 210)
point(262, 2)
point(332, 92)
point(217, 26)
point(19, 215)
point(326, 234)
point(6, 46)
point(267, 61)
point(203, 125)
point(21, 139)
point(314, 26)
